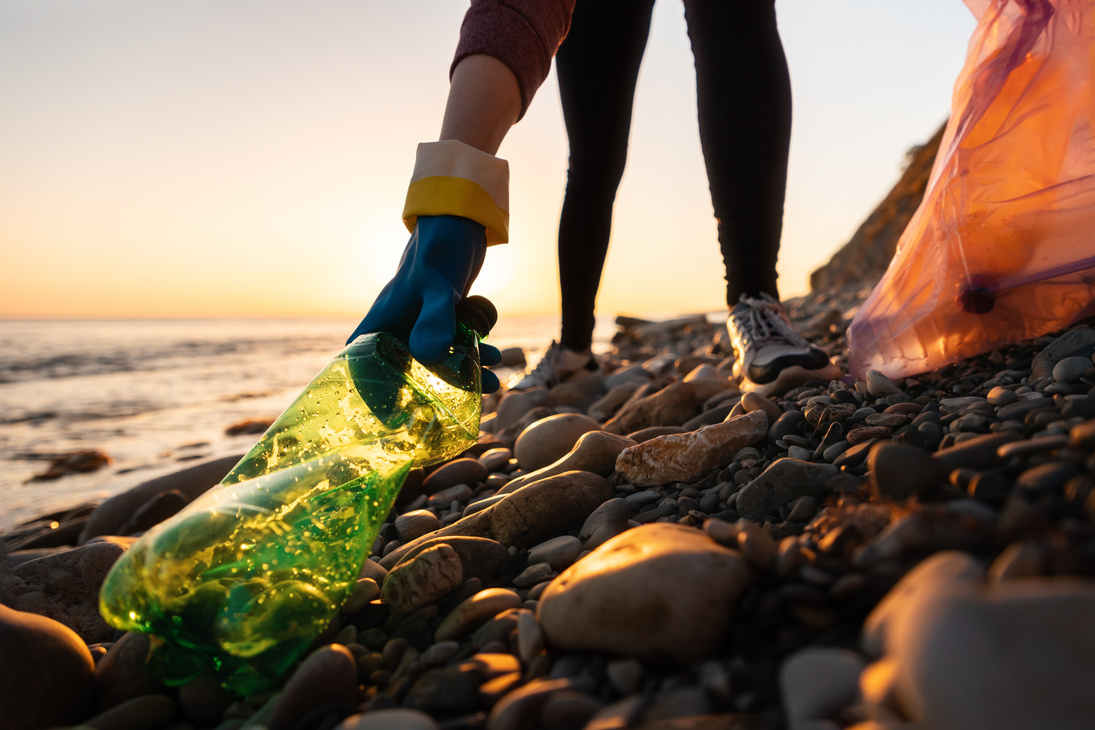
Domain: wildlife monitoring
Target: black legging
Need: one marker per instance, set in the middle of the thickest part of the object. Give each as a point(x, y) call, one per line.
point(744, 98)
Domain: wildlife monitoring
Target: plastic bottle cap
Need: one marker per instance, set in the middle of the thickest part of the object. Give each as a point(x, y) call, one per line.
point(478, 313)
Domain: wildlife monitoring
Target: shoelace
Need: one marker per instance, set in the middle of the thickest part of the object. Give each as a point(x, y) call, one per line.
point(764, 320)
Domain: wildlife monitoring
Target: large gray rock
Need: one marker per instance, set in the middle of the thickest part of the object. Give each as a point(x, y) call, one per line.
point(782, 483)
point(46, 672)
point(1073, 343)
point(65, 587)
point(529, 516)
point(659, 592)
point(686, 457)
point(961, 653)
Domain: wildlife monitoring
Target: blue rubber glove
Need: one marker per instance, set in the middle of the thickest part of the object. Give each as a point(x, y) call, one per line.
point(438, 267)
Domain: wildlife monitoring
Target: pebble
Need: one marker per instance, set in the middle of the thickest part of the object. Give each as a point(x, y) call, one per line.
point(656, 592)
point(898, 472)
point(415, 524)
point(605, 522)
point(427, 577)
point(756, 545)
point(495, 460)
point(465, 471)
point(475, 611)
point(550, 438)
point(533, 574)
point(558, 552)
point(880, 386)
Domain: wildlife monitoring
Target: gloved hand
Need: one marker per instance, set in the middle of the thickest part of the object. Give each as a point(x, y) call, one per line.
point(438, 267)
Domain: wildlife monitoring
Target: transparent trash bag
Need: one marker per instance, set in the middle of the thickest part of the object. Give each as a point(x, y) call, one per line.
point(1002, 247)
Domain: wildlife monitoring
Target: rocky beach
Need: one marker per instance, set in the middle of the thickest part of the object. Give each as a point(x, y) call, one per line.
point(649, 547)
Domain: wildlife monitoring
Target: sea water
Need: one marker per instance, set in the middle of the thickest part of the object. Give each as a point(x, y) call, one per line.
point(155, 395)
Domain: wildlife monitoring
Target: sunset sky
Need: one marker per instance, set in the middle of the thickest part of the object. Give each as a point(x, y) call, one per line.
point(250, 157)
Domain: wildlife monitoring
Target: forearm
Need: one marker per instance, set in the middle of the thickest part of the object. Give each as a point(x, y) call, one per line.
point(484, 102)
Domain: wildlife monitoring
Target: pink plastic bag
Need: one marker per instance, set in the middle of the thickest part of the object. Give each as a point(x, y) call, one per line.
point(1002, 247)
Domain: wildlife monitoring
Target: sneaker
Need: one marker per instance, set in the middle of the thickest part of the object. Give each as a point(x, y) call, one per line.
point(771, 357)
point(556, 366)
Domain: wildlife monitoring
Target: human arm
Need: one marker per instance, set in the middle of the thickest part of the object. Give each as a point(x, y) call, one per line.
point(458, 200)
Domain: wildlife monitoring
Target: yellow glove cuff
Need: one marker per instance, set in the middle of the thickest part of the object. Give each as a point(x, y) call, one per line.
point(452, 178)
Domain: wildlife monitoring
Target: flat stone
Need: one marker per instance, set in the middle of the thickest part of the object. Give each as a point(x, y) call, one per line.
point(687, 457)
point(659, 592)
point(784, 481)
point(558, 552)
point(466, 471)
point(47, 672)
point(425, 578)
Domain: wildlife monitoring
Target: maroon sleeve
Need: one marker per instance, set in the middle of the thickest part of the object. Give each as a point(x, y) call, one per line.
point(523, 34)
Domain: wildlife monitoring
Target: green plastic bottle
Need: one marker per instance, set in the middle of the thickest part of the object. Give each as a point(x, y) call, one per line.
point(244, 578)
